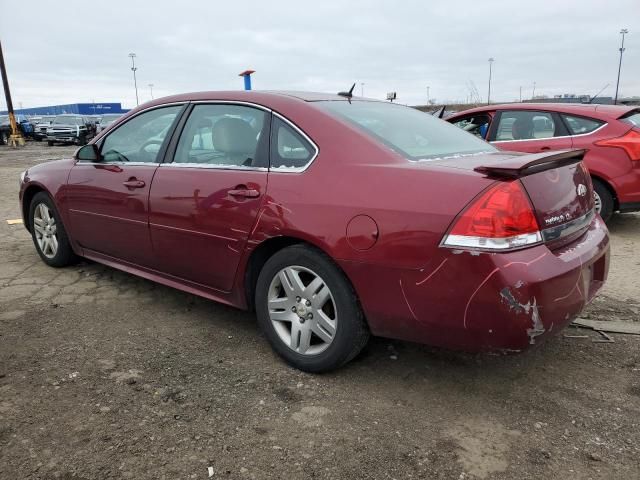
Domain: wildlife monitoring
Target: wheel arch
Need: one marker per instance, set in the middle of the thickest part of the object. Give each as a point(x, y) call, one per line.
point(27, 197)
point(264, 251)
point(608, 186)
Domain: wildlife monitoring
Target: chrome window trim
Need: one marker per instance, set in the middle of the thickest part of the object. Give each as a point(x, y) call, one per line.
point(306, 137)
point(129, 164)
point(210, 166)
point(560, 231)
point(551, 138)
point(231, 102)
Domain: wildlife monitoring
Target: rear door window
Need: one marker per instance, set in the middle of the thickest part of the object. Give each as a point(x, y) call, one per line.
point(526, 125)
point(581, 125)
point(222, 135)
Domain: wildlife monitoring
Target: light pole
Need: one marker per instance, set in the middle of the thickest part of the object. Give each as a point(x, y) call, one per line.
point(428, 98)
point(133, 69)
point(520, 93)
point(533, 95)
point(623, 32)
point(362, 89)
point(151, 89)
point(491, 60)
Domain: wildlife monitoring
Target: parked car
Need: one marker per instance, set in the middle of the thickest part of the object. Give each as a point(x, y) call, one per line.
point(68, 128)
point(22, 123)
point(107, 120)
point(609, 134)
point(41, 125)
point(333, 218)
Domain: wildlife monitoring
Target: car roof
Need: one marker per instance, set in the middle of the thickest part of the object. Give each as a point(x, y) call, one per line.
point(603, 112)
point(257, 96)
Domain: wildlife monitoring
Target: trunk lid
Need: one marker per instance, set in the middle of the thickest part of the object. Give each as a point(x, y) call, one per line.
point(558, 184)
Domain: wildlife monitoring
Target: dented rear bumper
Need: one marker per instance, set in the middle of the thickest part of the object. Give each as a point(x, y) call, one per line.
point(485, 301)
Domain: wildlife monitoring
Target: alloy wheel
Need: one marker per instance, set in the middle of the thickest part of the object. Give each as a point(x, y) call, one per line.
point(597, 202)
point(46, 230)
point(302, 310)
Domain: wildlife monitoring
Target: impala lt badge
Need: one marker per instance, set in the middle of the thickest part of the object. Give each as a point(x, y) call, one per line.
point(582, 189)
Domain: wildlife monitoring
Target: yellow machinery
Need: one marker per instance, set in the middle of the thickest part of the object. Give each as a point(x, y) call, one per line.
point(15, 139)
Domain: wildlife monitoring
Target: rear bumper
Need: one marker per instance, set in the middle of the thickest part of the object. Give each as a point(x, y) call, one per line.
point(477, 302)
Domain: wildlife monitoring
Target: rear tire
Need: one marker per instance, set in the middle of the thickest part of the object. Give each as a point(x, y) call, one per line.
point(603, 199)
point(49, 143)
point(48, 233)
point(323, 306)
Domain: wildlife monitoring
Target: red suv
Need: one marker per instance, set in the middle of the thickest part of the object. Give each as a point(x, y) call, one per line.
point(610, 135)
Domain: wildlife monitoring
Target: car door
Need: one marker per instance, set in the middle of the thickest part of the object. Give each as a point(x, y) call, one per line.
point(205, 199)
point(529, 131)
point(108, 199)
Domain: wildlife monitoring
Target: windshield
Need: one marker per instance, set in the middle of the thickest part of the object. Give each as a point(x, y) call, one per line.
point(68, 121)
point(412, 133)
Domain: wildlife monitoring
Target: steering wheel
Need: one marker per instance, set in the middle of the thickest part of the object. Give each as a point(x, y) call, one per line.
point(142, 152)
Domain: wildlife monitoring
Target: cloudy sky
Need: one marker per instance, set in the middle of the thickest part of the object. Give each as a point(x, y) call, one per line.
point(79, 53)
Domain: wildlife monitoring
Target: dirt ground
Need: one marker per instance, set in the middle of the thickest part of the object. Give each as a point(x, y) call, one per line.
point(105, 376)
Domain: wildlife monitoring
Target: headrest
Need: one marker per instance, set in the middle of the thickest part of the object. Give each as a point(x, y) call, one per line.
point(234, 135)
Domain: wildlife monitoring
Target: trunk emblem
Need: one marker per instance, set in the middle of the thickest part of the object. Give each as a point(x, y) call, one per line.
point(581, 189)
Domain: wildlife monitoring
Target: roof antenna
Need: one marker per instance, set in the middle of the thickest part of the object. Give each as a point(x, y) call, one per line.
point(348, 94)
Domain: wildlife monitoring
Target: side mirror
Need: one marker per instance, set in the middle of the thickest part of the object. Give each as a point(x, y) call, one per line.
point(88, 153)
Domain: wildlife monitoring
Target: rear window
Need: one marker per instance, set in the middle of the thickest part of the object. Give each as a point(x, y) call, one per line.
point(581, 125)
point(632, 118)
point(414, 134)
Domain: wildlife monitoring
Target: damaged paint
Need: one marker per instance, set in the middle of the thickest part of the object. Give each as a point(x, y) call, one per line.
point(537, 327)
point(508, 298)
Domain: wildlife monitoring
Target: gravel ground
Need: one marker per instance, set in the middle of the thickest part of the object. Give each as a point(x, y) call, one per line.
point(104, 375)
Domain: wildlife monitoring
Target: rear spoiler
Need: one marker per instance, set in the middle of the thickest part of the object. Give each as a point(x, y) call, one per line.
point(523, 165)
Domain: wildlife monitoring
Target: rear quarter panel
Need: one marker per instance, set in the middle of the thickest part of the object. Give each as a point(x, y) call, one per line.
point(411, 203)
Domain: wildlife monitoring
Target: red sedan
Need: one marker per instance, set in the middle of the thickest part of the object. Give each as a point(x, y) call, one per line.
point(333, 217)
point(610, 135)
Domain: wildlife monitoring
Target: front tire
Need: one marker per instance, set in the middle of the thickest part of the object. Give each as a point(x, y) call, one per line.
point(603, 200)
point(309, 311)
point(48, 233)
point(49, 143)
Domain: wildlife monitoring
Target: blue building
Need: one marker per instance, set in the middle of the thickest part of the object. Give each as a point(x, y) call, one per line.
point(79, 108)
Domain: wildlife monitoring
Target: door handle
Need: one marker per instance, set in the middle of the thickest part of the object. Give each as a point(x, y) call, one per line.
point(133, 183)
point(545, 148)
point(244, 192)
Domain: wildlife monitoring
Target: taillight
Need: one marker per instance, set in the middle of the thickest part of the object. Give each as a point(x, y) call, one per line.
point(629, 142)
point(502, 218)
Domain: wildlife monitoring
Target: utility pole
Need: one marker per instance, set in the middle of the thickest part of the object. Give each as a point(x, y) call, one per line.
point(151, 88)
point(133, 69)
point(533, 95)
point(520, 93)
point(428, 99)
point(362, 89)
point(491, 60)
point(15, 139)
point(623, 32)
